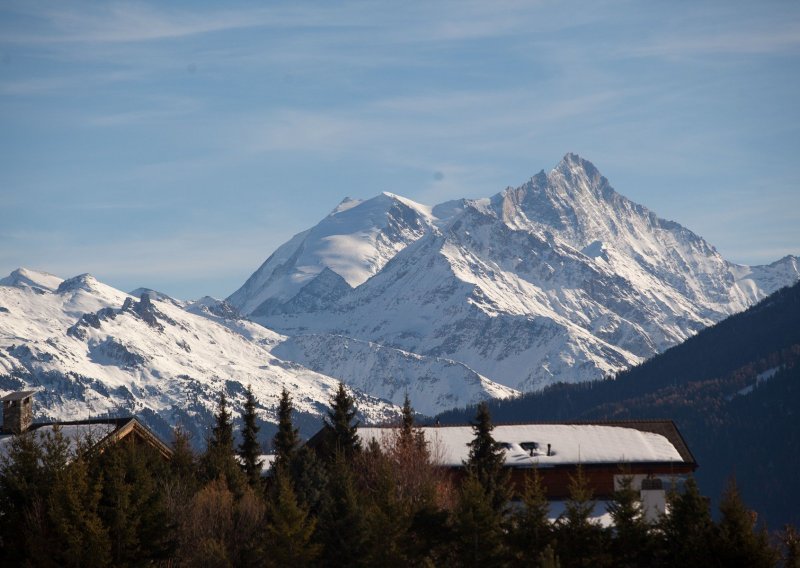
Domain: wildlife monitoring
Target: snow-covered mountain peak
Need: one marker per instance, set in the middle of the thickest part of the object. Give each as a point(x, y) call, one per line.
point(27, 278)
point(85, 282)
point(153, 295)
point(573, 165)
point(355, 241)
point(345, 204)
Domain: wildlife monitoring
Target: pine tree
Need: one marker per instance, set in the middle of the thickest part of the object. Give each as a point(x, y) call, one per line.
point(739, 541)
point(23, 483)
point(222, 433)
point(289, 527)
point(478, 526)
point(486, 460)
point(406, 437)
point(581, 542)
point(632, 543)
point(78, 537)
point(286, 439)
point(219, 460)
point(342, 527)
point(340, 430)
point(249, 449)
point(689, 533)
point(531, 531)
point(309, 479)
point(132, 505)
point(387, 516)
point(183, 463)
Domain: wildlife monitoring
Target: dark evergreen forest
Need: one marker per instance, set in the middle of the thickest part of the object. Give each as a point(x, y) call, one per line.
point(340, 503)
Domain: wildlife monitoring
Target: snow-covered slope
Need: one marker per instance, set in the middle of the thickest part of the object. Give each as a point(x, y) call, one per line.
point(354, 242)
point(93, 350)
point(561, 278)
point(433, 383)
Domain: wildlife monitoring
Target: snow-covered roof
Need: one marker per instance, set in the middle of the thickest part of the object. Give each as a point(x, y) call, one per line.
point(74, 434)
point(93, 432)
point(19, 395)
point(527, 444)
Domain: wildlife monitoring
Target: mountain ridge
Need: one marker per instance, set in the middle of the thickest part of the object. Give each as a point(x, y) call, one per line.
point(585, 282)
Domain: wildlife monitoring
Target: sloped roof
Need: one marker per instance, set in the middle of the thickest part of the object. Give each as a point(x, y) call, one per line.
point(570, 443)
point(100, 432)
point(19, 395)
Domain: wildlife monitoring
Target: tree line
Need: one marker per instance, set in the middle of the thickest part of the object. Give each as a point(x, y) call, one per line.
point(343, 502)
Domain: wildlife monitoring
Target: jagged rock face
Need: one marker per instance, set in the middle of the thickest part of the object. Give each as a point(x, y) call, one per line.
point(561, 278)
point(91, 350)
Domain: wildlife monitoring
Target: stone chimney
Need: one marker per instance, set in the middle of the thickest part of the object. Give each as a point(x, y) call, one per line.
point(17, 412)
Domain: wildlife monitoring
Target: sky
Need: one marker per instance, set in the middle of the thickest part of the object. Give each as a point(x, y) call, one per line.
point(176, 145)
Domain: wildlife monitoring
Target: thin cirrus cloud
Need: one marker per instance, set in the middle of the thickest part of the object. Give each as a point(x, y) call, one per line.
point(123, 22)
point(778, 38)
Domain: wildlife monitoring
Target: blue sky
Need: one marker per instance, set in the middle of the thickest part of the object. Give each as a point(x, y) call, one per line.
point(175, 146)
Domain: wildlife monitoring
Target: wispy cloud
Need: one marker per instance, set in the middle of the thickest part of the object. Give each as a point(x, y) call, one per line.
point(152, 109)
point(124, 22)
point(778, 38)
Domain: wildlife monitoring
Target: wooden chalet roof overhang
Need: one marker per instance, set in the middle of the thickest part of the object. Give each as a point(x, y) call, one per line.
point(119, 429)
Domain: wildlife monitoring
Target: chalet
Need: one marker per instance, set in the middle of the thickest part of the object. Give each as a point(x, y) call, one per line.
point(99, 432)
point(652, 452)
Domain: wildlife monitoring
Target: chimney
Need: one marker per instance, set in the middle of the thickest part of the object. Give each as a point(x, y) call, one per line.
point(17, 412)
point(548, 449)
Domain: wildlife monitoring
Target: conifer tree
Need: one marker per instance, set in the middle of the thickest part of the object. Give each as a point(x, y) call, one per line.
point(77, 537)
point(581, 542)
point(531, 531)
point(289, 527)
point(132, 505)
point(632, 543)
point(249, 449)
point(309, 479)
point(183, 463)
point(287, 438)
point(688, 531)
point(342, 527)
point(219, 460)
point(387, 517)
point(341, 432)
point(406, 437)
point(478, 526)
point(56, 453)
point(222, 432)
point(486, 460)
point(739, 540)
point(23, 483)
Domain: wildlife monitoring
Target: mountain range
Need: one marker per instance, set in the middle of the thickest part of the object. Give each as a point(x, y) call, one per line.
point(91, 350)
point(559, 279)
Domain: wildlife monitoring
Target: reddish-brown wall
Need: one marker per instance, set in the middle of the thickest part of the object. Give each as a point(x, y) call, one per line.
point(600, 478)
